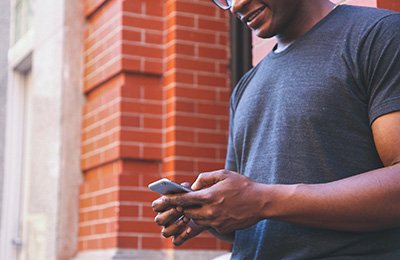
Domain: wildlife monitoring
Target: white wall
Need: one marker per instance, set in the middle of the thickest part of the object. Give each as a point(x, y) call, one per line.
point(4, 44)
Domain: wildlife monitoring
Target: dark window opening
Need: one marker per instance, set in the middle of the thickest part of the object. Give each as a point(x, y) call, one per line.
point(241, 50)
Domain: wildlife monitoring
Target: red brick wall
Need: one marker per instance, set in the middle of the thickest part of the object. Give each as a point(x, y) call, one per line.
point(157, 89)
point(389, 4)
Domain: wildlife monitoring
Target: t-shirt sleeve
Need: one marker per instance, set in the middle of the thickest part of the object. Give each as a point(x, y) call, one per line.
point(381, 50)
point(230, 162)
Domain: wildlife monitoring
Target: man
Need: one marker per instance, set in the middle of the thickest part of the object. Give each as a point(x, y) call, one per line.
point(313, 163)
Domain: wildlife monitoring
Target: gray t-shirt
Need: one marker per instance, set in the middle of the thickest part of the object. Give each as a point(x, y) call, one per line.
point(304, 116)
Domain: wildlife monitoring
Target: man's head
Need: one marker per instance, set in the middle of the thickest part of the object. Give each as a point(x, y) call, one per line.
point(268, 18)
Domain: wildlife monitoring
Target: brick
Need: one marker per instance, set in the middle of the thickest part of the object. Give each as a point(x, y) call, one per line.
point(130, 151)
point(213, 25)
point(129, 180)
point(85, 231)
point(143, 23)
point(193, 36)
point(206, 166)
point(109, 212)
point(152, 153)
point(196, 122)
point(133, 6)
point(141, 107)
point(215, 81)
point(192, 93)
point(211, 138)
point(108, 242)
point(100, 228)
point(141, 136)
point(192, 8)
point(180, 135)
point(128, 211)
point(154, 38)
point(142, 50)
point(153, 67)
point(132, 35)
point(92, 244)
point(181, 77)
point(127, 242)
point(197, 152)
point(138, 227)
point(147, 212)
point(137, 195)
point(152, 123)
point(181, 20)
point(131, 64)
point(140, 167)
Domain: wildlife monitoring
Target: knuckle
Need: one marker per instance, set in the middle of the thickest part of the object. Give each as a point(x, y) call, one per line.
point(210, 213)
point(164, 200)
point(158, 220)
point(207, 196)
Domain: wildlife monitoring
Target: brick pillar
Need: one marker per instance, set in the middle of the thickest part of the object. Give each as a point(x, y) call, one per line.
point(157, 96)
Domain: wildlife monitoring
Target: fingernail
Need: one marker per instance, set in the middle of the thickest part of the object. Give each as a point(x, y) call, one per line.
point(179, 209)
point(188, 230)
point(185, 219)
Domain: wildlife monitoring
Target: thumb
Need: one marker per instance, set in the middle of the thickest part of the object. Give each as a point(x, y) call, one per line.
point(208, 179)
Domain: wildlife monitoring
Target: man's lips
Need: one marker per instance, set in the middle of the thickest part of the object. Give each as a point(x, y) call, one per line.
point(251, 16)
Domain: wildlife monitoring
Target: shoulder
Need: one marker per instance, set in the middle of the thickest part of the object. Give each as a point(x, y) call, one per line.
point(368, 14)
point(364, 19)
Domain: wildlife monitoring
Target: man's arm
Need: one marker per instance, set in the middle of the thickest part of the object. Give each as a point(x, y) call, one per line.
point(366, 202)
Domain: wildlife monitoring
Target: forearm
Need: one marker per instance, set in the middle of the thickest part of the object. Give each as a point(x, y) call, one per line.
point(366, 202)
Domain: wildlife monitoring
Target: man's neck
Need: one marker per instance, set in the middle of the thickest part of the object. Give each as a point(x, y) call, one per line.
point(312, 11)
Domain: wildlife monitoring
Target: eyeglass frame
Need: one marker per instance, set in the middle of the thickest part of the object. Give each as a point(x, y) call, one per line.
point(227, 7)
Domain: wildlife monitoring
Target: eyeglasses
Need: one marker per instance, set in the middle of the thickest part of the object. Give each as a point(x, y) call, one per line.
point(223, 4)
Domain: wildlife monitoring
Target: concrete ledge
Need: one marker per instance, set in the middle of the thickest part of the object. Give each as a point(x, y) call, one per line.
point(127, 254)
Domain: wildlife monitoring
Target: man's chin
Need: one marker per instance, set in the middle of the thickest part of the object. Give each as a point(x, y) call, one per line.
point(264, 34)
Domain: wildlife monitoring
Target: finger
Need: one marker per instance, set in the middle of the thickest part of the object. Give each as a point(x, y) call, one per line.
point(199, 214)
point(208, 179)
point(167, 217)
point(183, 200)
point(161, 204)
point(175, 228)
point(181, 238)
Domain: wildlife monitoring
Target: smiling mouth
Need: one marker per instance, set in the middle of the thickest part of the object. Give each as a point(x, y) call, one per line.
point(254, 15)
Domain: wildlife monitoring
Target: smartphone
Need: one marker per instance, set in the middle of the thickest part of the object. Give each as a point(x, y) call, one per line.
point(165, 186)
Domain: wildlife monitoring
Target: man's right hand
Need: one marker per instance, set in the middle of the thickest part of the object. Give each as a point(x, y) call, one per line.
point(176, 225)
